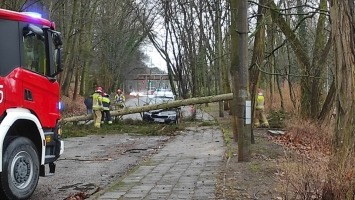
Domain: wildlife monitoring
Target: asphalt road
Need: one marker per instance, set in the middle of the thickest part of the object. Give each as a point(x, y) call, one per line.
point(91, 163)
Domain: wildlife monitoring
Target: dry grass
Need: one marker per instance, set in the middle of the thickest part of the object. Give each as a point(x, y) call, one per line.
point(73, 108)
point(309, 135)
point(314, 173)
point(302, 178)
point(341, 179)
point(307, 175)
point(304, 174)
point(273, 102)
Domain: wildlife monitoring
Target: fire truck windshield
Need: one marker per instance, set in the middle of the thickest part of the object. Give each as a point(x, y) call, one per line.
point(34, 50)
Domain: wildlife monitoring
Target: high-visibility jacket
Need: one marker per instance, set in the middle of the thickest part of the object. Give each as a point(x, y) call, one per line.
point(260, 101)
point(96, 101)
point(120, 98)
point(106, 103)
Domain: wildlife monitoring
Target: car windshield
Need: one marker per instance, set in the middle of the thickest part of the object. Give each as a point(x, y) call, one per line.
point(160, 99)
point(164, 93)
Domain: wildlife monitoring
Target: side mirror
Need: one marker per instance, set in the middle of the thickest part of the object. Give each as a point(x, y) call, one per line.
point(57, 39)
point(58, 62)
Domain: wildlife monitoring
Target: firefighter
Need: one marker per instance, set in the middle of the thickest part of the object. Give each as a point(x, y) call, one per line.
point(88, 104)
point(106, 109)
point(97, 106)
point(119, 99)
point(260, 111)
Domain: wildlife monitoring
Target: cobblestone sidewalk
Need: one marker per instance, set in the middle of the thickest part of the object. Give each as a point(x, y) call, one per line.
point(186, 168)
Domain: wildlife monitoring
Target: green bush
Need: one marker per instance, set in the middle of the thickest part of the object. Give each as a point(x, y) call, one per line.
point(277, 118)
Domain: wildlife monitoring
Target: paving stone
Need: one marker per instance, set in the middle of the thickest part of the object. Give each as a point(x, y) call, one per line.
point(186, 168)
point(112, 195)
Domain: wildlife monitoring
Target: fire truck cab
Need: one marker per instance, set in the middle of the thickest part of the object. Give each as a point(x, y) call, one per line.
point(30, 134)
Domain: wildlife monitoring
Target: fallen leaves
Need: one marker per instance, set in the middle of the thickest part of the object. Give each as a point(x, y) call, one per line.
point(78, 196)
point(304, 143)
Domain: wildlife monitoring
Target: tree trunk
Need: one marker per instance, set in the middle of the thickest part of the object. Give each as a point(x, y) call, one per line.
point(342, 164)
point(318, 70)
point(282, 106)
point(241, 93)
point(70, 43)
point(257, 58)
point(76, 84)
point(328, 104)
point(219, 74)
point(234, 67)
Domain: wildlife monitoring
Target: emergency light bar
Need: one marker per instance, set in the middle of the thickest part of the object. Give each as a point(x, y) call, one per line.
point(33, 14)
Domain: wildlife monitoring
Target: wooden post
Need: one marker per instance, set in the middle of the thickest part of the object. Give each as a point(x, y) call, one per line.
point(242, 95)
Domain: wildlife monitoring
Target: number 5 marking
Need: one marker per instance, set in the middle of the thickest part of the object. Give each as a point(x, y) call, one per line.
point(1, 93)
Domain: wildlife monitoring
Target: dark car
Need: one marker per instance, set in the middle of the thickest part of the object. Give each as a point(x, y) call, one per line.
point(170, 115)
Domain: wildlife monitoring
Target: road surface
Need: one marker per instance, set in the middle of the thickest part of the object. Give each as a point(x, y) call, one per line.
point(90, 163)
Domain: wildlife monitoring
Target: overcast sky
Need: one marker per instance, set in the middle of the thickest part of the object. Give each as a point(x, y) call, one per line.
point(155, 60)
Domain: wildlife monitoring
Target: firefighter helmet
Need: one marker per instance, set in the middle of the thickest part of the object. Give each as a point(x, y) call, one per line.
point(98, 89)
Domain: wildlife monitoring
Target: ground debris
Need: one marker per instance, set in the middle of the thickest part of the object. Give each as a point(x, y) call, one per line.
point(78, 196)
point(276, 132)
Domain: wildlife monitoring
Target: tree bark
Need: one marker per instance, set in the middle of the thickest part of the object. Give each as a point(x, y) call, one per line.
point(234, 67)
point(219, 75)
point(257, 58)
point(328, 104)
point(241, 92)
point(341, 180)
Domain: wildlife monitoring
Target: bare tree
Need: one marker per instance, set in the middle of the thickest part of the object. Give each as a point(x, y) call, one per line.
point(193, 45)
point(311, 69)
point(340, 179)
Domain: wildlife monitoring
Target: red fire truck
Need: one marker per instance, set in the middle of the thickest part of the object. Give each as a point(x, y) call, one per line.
point(30, 134)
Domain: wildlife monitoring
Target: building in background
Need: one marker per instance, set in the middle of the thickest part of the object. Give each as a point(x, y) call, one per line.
point(149, 79)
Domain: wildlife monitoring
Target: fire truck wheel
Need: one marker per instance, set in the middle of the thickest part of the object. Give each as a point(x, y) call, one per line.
point(20, 173)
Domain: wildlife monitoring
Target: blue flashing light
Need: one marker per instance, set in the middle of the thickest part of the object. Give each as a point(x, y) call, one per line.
point(33, 14)
point(60, 106)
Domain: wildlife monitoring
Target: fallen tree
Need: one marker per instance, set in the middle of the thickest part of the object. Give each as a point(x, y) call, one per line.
point(172, 104)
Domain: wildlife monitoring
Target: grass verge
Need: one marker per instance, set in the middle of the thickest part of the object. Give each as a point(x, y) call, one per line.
point(126, 126)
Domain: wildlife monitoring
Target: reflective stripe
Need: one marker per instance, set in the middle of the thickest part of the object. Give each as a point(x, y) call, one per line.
point(96, 101)
point(120, 98)
point(105, 100)
point(97, 125)
point(106, 103)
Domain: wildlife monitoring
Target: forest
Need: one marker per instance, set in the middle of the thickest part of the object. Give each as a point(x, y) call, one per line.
point(300, 52)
